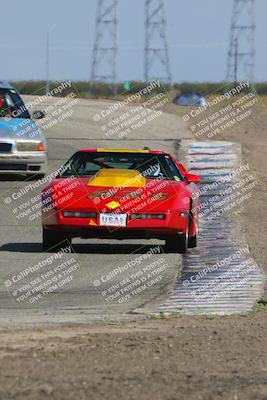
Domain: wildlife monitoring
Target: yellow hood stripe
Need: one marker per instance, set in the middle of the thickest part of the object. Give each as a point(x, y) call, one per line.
point(112, 177)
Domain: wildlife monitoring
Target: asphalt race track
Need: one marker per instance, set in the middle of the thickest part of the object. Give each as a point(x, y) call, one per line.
point(80, 298)
point(111, 280)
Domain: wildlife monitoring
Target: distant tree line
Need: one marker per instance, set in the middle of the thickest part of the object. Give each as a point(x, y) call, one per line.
point(97, 90)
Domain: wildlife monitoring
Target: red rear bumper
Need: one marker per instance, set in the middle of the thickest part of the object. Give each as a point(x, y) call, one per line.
point(173, 224)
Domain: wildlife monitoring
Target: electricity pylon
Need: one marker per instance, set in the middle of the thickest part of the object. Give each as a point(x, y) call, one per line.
point(104, 61)
point(157, 64)
point(241, 54)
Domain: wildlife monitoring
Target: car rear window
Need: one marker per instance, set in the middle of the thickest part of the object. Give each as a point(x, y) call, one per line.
point(150, 165)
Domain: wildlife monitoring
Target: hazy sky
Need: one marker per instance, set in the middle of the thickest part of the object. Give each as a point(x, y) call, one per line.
point(198, 35)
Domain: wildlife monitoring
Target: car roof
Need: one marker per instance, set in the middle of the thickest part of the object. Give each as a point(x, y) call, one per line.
point(5, 85)
point(100, 150)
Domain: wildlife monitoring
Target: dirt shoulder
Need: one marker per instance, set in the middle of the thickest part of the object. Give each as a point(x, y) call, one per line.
point(185, 358)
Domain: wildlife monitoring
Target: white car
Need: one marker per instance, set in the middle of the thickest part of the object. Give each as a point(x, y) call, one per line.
point(23, 147)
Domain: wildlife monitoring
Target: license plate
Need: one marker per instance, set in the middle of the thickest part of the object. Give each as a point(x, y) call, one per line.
point(113, 220)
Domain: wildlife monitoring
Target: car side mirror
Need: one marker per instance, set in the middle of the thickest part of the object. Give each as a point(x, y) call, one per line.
point(193, 178)
point(38, 114)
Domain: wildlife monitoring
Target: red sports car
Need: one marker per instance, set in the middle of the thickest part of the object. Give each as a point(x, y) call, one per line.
point(122, 194)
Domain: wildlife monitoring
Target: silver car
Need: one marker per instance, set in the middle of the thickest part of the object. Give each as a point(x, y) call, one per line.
point(23, 147)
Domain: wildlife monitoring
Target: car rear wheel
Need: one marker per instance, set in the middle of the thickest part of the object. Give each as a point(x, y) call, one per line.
point(177, 244)
point(192, 241)
point(55, 240)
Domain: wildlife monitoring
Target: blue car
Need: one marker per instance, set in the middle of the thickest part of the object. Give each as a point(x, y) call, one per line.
point(23, 147)
point(193, 99)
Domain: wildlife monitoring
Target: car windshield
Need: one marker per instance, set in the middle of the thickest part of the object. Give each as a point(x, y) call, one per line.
point(12, 105)
point(150, 165)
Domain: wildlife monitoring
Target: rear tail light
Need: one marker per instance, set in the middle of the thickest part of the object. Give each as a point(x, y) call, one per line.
point(148, 216)
point(79, 214)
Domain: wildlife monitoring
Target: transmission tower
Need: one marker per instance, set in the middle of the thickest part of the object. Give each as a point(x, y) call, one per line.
point(105, 47)
point(241, 54)
point(157, 64)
